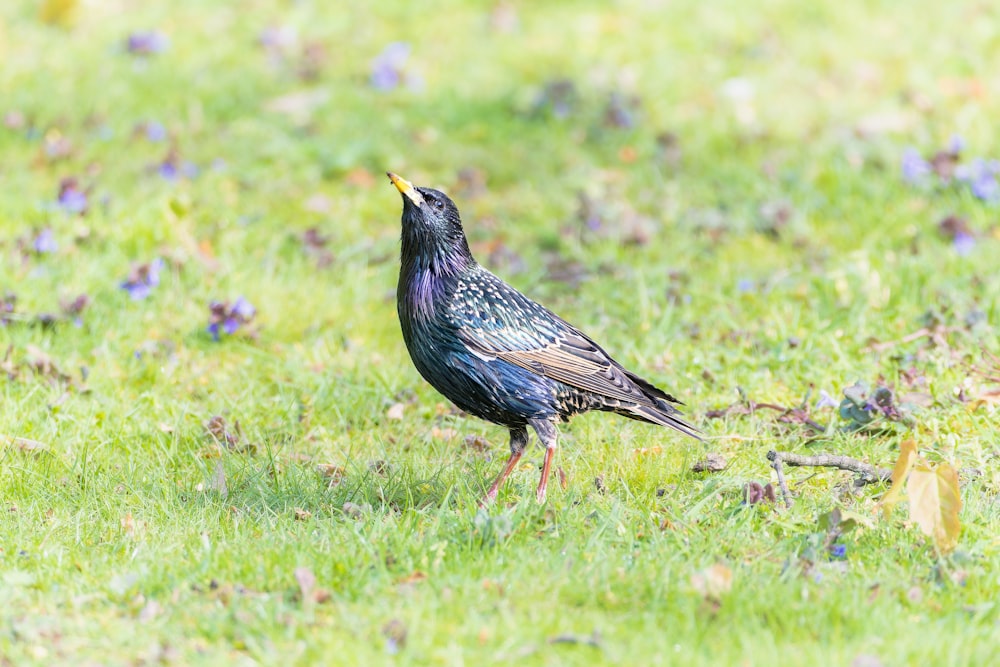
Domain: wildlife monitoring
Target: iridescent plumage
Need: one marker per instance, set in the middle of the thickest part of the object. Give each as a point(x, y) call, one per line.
point(496, 353)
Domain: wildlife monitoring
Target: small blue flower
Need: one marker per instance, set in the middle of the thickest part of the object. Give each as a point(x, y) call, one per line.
point(147, 43)
point(142, 279)
point(981, 176)
point(45, 242)
point(914, 167)
point(173, 168)
point(71, 198)
point(826, 400)
point(387, 67)
point(7, 304)
point(956, 144)
point(963, 243)
point(277, 39)
point(838, 551)
point(226, 318)
point(155, 131)
point(745, 285)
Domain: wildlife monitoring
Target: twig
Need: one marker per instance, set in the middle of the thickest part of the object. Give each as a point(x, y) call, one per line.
point(936, 334)
point(786, 495)
point(867, 473)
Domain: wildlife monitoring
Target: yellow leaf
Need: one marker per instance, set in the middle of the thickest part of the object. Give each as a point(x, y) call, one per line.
point(907, 455)
point(935, 502)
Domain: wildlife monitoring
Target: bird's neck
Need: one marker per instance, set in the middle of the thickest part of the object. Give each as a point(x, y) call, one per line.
point(429, 271)
point(441, 258)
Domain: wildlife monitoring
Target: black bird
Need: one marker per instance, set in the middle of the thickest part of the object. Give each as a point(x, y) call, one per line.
point(494, 352)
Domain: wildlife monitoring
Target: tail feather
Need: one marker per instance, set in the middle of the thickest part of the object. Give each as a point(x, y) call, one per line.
point(662, 414)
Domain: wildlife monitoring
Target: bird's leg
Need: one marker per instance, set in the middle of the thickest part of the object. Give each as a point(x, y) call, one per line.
point(548, 435)
point(518, 441)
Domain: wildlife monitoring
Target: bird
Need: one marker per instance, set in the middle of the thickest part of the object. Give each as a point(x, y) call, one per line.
point(497, 354)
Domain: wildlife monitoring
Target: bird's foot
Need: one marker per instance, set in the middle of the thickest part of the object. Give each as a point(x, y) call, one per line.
point(540, 494)
point(490, 496)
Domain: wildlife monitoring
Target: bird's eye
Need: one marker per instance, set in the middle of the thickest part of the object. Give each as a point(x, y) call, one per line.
point(438, 204)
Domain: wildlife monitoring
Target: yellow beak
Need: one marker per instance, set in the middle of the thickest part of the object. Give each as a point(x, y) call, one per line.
point(405, 187)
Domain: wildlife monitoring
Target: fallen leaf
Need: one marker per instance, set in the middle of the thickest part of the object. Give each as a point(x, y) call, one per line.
point(302, 515)
point(443, 433)
point(476, 443)
point(306, 581)
point(711, 463)
point(989, 397)
point(641, 452)
point(219, 480)
point(395, 411)
point(412, 578)
point(907, 456)
point(713, 582)
point(935, 502)
point(354, 510)
point(299, 106)
point(128, 525)
point(24, 444)
point(332, 472)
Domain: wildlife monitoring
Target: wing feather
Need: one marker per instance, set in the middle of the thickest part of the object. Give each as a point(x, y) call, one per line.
point(495, 320)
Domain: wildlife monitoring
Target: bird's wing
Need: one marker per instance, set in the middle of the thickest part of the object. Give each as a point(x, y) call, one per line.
point(496, 321)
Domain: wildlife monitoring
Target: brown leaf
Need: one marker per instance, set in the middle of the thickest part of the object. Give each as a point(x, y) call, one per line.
point(907, 457)
point(935, 502)
point(332, 472)
point(412, 578)
point(306, 581)
point(711, 463)
point(24, 444)
point(988, 397)
point(218, 483)
point(302, 515)
point(477, 443)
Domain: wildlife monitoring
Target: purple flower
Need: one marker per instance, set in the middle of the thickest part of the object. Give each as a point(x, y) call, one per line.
point(228, 318)
point(825, 400)
point(981, 175)
point(7, 304)
point(963, 243)
point(71, 198)
point(45, 242)
point(914, 167)
point(155, 131)
point(277, 38)
point(174, 168)
point(142, 279)
point(838, 551)
point(147, 43)
point(744, 285)
point(956, 144)
point(387, 67)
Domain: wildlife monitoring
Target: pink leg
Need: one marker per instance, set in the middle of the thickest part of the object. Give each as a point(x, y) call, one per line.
point(546, 469)
point(491, 495)
point(547, 433)
point(518, 441)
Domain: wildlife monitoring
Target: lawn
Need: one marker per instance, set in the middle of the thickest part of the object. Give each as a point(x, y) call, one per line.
point(747, 203)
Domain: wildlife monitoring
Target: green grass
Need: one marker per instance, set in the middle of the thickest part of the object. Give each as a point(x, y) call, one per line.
point(118, 542)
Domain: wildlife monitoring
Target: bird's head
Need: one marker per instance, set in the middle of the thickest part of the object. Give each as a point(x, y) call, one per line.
point(432, 225)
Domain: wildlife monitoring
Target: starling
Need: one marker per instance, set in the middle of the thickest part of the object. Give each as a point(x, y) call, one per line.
point(494, 352)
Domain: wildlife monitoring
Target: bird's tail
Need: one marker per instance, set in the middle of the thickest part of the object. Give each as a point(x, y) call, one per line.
point(663, 414)
point(659, 411)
